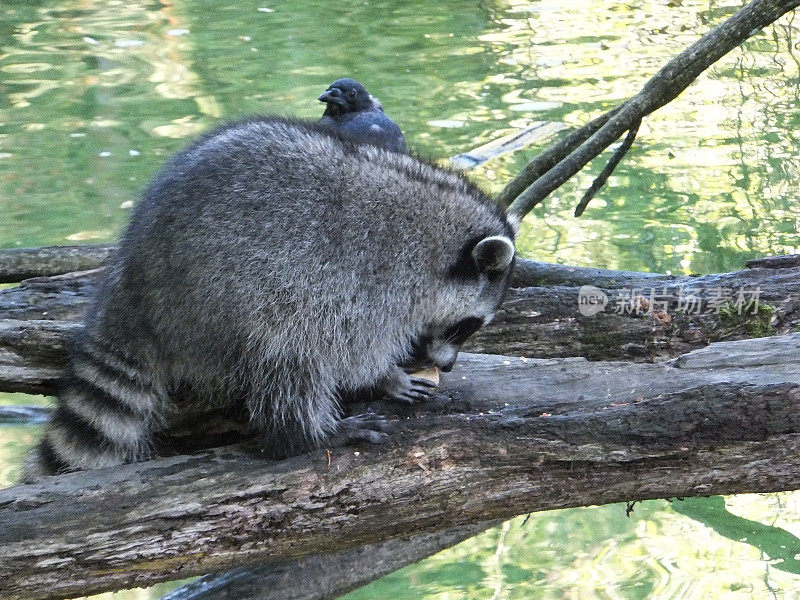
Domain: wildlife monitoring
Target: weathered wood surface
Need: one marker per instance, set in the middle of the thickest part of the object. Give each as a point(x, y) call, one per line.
point(64, 296)
point(506, 436)
point(33, 354)
point(17, 264)
point(540, 320)
point(545, 321)
point(775, 262)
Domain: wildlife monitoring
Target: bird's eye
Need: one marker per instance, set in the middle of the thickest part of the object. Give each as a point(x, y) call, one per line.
point(353, 93)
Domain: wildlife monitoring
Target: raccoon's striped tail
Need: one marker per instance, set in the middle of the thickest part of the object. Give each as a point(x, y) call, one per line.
point(106, 413)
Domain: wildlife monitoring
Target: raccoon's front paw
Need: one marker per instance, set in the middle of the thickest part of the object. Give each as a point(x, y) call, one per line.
point(401, 386)
point(367, 427)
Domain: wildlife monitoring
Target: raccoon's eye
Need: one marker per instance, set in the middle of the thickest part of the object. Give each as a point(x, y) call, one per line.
point(458, 333)
point(495, 276)
point(418, 353)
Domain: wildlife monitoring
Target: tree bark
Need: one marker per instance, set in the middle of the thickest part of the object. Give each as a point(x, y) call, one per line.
point(33, 354)
point(506, 436)
point(646, 318)
point(17, 264)
point(775, 262)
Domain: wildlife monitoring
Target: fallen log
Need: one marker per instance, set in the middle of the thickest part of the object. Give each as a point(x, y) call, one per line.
point(506, 436)
point(33, 354)
point(17, 264)
point(775, 262)
point(647, 316)
point(64, 296)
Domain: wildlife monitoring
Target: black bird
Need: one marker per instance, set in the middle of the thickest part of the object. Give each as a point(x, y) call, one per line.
point(356, 115)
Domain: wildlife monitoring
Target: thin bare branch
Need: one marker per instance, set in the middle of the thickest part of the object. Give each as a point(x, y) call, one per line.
point(662, 88)
point(550, 158)
point(608, 169)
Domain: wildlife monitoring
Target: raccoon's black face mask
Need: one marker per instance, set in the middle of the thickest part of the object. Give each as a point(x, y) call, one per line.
point(484, 278)
point(440, 349)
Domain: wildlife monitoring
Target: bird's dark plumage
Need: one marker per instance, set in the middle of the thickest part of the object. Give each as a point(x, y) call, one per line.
point(356, 115)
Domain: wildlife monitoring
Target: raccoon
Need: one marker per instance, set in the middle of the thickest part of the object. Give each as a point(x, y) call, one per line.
point(276, 266)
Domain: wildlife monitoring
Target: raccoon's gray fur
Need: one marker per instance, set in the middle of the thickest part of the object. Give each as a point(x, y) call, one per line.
point(275, 266)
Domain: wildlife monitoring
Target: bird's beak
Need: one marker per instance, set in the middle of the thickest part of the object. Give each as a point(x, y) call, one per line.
point(332, 96)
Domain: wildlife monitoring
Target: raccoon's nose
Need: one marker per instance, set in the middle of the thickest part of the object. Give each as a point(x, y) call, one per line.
point(449, 366)
point(443, 356)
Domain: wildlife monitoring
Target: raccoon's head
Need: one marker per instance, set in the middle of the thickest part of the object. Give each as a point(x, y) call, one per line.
point(476, 286)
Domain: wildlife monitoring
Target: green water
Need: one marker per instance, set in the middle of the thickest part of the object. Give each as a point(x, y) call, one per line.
point(94, 95)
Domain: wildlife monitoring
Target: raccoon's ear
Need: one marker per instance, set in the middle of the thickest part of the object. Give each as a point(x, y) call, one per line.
point(493, 253)
point(513, 222)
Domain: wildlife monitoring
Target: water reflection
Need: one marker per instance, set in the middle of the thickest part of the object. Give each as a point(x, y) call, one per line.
point(599, 553)
point(96, 95)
